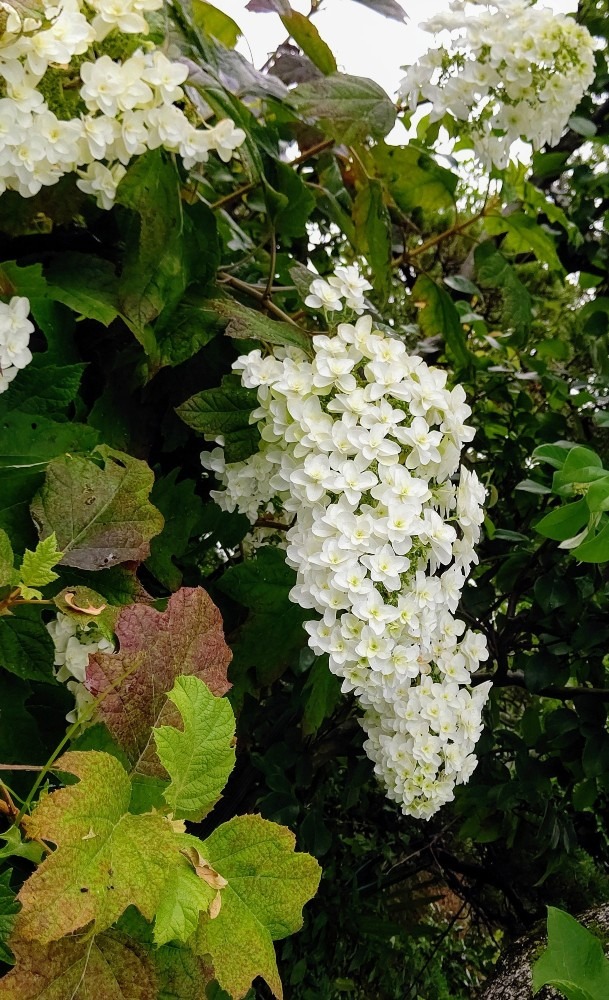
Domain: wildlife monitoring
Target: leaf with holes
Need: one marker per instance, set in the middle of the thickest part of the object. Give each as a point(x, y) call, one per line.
point(100, 514)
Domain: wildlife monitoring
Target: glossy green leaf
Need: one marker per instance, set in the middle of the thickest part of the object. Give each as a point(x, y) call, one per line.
point(564, 522)
point(438, 317)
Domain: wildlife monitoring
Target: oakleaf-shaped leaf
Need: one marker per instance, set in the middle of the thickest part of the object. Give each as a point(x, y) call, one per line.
point(154, 648)
point(100, 514)
point(106, 860)
point(37, 567)
point(200, 758)
point(9, 908)
point(268, 885)
point(109, 966)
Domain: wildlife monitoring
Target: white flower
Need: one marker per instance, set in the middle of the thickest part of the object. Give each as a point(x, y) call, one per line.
point(506, 71)
point(324, 295)
point(102, 182)
point(361, 442)
point(225, 138)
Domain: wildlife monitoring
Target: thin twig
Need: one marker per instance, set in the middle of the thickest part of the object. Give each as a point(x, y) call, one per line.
point(244, 286)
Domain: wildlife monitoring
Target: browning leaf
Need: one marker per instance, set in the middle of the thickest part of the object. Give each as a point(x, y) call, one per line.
point(155, 648)
point(110, 966)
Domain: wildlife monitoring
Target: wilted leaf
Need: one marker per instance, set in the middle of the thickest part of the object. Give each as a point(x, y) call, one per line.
point(101, 516)
point(268, 885)
point(154, 649)
point(106, 858)
point(108, 967)
point(200, 757)
point(9, 908)
point(248, 324)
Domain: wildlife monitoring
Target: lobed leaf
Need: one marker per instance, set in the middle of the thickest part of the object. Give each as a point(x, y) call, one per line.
point(106, 858)
point(200, 757)
point(268, 885)
point(156, 647)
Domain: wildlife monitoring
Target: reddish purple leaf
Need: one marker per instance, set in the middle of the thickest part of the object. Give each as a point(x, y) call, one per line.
point(155, 648)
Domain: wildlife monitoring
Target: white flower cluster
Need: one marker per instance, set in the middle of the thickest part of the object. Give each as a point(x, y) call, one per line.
point(358, 449)
point(346, 283)
point(60, 112)
point(15, 330)
point(508, 70)
point(73, 646)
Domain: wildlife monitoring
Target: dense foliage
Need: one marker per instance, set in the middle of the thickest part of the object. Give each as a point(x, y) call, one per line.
point(168, 209)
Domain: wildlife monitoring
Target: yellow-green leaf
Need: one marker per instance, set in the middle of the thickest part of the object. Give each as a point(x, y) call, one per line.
point(200, 758)
point(268, 885)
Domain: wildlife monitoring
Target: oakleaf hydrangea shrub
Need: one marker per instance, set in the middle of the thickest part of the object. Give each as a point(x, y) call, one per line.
point(358, 450)
point(83, 88)
point(503, 72)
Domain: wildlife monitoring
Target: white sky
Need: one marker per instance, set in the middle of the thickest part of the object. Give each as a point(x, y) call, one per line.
point(364, 43)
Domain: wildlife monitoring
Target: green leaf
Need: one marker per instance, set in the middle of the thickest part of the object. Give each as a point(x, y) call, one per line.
point(573, 962)
point(321, 694)
point(461, 284)
point(262, 585)
point(373, 232)
point(9, 908)
point(43, 389)
point(248, 324)
point(152, 272)
point(414, 178)
point(307, 37)
point(597, 496)
point(37, 567)
point(100, 515)
point(268, 885)
point(525, 235)
point(594, 550)
point(106, 858)
point(493, 270)
point(28, 442)
point(200, 757)
point(583, 126)
point(564, 522)
point(554, 454)
point(7, 559)
point(216, 23)
point(26, 648)
point(224, 412)
point(349, 108)
point(86, 284)
point(439, 317)
point(181, 509)
point(291, 219)
point(186, 330)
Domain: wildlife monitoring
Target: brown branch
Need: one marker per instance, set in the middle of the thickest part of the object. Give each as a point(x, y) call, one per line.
point(244, 286)
point(428, 244)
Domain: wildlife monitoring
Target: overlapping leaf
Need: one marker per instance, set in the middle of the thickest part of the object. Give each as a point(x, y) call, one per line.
point(154, 648)
point(106, 858)
point(200, 757)
point(268, 885)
